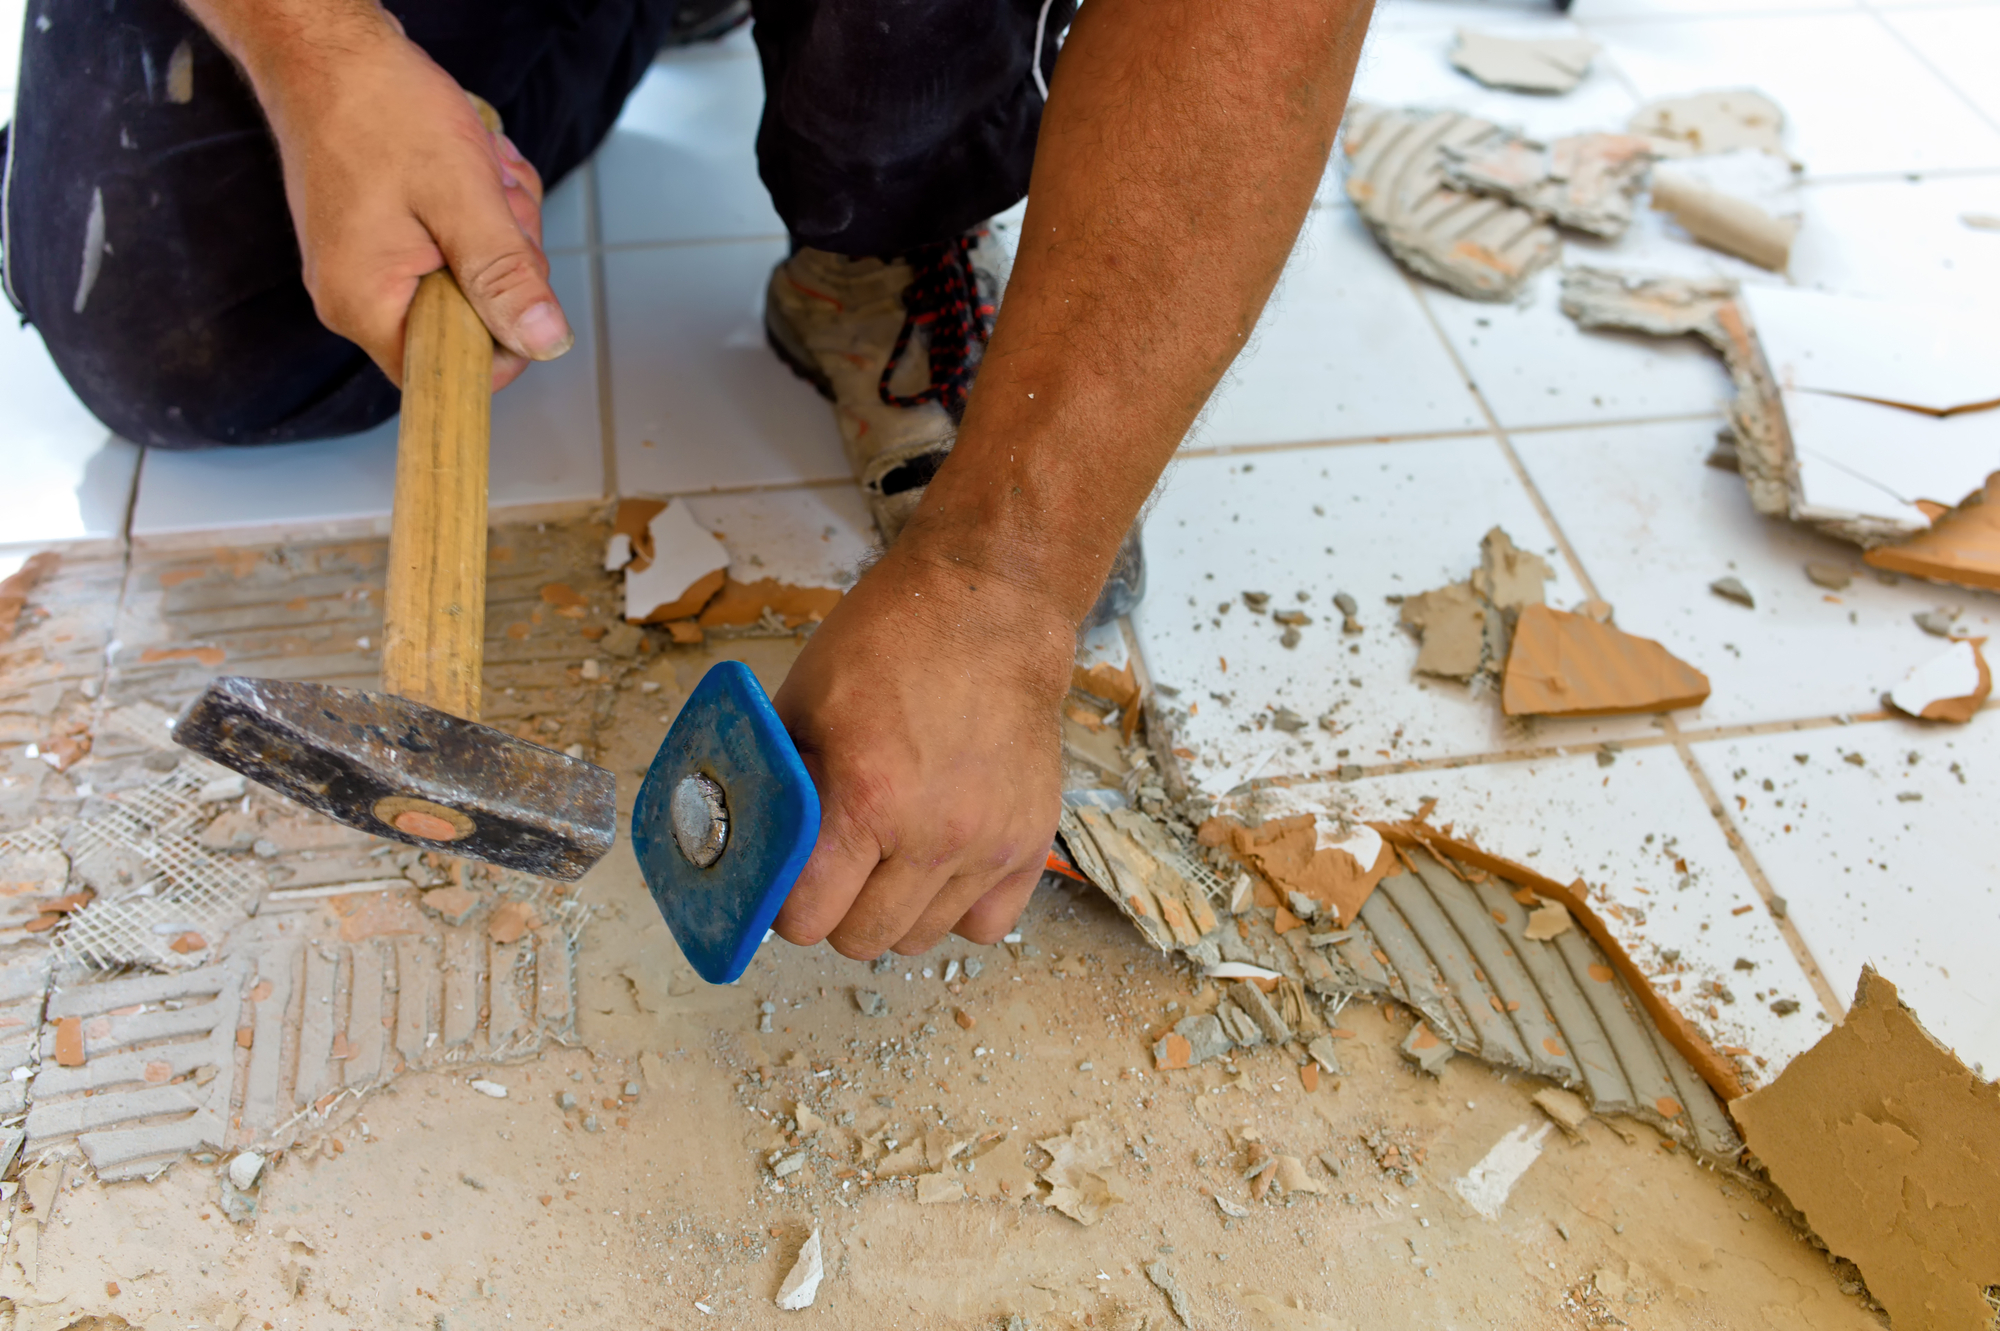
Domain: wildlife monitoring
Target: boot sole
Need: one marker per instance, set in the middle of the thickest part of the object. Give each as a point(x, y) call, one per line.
point(797, 361)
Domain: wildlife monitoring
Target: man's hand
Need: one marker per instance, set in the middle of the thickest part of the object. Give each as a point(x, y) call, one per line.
point(925, 708)
point(391, 175)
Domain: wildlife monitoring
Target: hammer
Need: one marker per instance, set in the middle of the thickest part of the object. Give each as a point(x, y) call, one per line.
point(411, 762)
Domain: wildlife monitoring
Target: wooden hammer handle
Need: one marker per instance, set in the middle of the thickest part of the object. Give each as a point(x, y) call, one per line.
point(434, 612)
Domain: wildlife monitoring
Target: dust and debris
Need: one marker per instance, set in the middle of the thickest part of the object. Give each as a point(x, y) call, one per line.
point(1084, 1181)
point(1731, 588)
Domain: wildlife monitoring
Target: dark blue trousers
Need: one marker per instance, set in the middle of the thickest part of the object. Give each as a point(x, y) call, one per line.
point(148, 241)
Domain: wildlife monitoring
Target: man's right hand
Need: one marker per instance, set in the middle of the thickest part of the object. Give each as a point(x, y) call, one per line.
point(390, 175)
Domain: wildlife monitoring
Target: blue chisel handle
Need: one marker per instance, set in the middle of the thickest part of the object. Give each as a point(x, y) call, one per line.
point(724, 822)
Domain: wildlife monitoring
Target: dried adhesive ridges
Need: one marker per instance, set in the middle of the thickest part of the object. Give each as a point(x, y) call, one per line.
point(1458, 953)
point(1480, 247)
point(261, 1048)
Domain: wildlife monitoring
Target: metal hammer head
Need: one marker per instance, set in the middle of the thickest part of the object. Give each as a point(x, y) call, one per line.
point(398, 769)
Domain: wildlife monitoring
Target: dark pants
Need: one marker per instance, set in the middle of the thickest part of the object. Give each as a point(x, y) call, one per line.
point(147, 236)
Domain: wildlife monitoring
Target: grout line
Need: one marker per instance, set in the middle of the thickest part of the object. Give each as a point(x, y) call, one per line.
point(752, 488)
point(600, 324)
point(1548, 516)
point(1911, 47)
point(1428, 436)
point(1781, 917)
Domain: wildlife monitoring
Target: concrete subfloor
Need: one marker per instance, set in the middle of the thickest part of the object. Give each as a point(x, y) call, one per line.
point(431, 1204)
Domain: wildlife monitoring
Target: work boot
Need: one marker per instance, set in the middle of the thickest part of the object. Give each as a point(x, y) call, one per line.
point(894, 345)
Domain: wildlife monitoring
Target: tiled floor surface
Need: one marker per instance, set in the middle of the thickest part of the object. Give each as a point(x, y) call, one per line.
point(1374, 430)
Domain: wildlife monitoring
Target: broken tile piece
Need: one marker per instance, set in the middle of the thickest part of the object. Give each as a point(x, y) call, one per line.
point(1546, 921)
point(1423, 1047)
point(1725, 222)
point(1084, 1180)
point(1732, 589)
point(1292, 1176)
point(1587, 182)
point(1568, 665)
point(510, 921)
point(677, 572)
point(1163, 1279)
point(1481, 247)
point(801, 1284)
point(1200, 1038)
point(1508, 576)
point(1297, 855)
point(1452, 624)
point(1567, 1109)
point(453, 905)
point(1258, 1008)
point(1950, 687)
point(1884, 1141)
point(1936, 621)
point(1543, 64)
point(1714, 122)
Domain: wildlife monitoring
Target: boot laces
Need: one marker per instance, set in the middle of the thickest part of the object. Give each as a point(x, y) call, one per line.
point(944, 300)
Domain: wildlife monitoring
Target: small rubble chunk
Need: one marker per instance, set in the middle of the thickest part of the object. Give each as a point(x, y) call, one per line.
point(245, 1169)
point(454, 905)
point(1163, 1279)
point(1291, 1176)
point(1426, 1050)
point(1193, 1040)
point(1451, 622)
point(1238, 1024)
point(1937, 621)
point(1732, 589)
point(1725, 222)
point(1085, 1182)
point(801, 1284)
point(1567, 1109)
point(1252, 1001)
point(1547, 921)
point(1322, 1052)
point(1542, 64)
point(511, 921)
point(870, 1003)
point(491, 1089)
point(1833, 577)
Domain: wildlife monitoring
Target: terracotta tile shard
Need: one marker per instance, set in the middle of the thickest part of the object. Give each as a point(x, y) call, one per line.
point(965, 1019)
point(1950, 687)
point(685, 632)
point(16, 587)
point(1887, 1144)
point(42, 923)
point(1548, 920)
point(1547, 64)
point(561, 594)
point(510, 921)
point(69, 1042)
point(1483, 248)
point(676, 571)
point(188, 942)
point(1288, 853)
point(1962, 546)
point(741, 604)
point(1172, 1052)
point(1309, 1077)
point(1570, 665)
point(208, 656)
point(454, 905)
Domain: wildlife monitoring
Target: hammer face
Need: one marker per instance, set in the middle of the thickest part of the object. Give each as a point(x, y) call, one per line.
point(398, 769)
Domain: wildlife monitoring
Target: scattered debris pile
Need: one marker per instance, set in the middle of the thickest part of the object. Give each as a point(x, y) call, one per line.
point(1498, 961)
point(1891, 1148)
point(1494, 628)
point(677, 575)
point(1876, 422)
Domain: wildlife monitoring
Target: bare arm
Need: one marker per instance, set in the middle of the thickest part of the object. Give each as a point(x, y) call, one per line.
point(391, 175)
point(1180, 149)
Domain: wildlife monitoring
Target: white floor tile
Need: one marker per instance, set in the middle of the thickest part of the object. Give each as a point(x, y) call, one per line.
point(682, 162)
point(700, 400)
point(814, 537)
point(1962, 43)
point(1654, 526)
point(1344, 350)
point(1411, 66)
point(1855, 100)
point(1900, 239)
point(1396, 519)
point(1910, 886)
point(1496, 15)
point(67, 478)
point(564, 217)
point(1536, 367)
point(547, 448)
point(1627, 831)
point(1614, 11)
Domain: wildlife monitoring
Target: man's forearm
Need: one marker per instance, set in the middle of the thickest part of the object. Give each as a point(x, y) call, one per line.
point(1181, 147)
point(282, 43)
